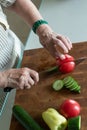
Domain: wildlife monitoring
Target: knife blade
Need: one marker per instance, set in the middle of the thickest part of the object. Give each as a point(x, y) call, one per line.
point(79, 60)
point(51, 70)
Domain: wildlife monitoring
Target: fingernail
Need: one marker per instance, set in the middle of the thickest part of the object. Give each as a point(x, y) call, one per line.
point(62, 57)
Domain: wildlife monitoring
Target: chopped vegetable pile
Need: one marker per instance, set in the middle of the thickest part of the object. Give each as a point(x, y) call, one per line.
point(68, 82)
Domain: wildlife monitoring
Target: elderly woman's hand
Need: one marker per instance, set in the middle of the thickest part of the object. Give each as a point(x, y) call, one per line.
point(22, 78)
point(56, 44)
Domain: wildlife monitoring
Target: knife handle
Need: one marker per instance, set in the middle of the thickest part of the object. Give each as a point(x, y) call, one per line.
point(7, 89)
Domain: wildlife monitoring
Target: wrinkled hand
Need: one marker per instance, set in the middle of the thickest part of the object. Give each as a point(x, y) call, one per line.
point(56, 44)
point(22, 78)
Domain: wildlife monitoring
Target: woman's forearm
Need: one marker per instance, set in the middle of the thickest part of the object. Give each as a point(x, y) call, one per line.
point(27, 10)
point(53, 42)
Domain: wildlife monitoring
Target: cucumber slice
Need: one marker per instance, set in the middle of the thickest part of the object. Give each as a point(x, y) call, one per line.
point(78, 89)
point(71, 84)
point(74, 123)
point(57, 85)
point(74, 88)
point(67, 80)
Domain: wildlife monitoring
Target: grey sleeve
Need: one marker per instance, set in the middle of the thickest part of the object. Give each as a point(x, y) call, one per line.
point(7, 3)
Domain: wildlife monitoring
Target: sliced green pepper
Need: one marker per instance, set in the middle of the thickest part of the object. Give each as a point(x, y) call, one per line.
point(54, 120)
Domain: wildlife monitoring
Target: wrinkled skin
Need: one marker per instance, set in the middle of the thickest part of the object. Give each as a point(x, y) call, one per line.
point(22, 78)
point(55, 43)
point(25, 77)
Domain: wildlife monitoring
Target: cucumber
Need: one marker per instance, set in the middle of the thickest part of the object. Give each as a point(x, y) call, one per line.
point(74, 88)
point(74, 123)
point(57, 85)
point(78, 89)
point(67, 80)
point(25, 119)
point(71, 84)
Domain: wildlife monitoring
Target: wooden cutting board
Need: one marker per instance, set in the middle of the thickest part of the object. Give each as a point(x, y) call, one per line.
point(42, 96)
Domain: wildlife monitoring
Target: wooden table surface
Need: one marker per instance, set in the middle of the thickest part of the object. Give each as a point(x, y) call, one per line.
point(40, 97)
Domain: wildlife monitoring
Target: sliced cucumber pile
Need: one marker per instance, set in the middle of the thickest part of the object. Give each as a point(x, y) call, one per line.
point(58, 85)
point(74, 123)
point(71, 84)
point(68, 82)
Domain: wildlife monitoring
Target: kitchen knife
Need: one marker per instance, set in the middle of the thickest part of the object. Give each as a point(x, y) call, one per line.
point(79, 60)
point(55, 68)
point(51, 69)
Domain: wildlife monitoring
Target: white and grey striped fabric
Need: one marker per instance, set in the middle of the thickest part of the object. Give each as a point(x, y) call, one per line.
point(6, 49)
point(11, 47)
point(11, 50)
point(7, 3)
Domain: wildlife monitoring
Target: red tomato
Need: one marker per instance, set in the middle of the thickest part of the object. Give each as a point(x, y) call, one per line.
point(70, 108)
point(68, 58)
point(67, 67)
